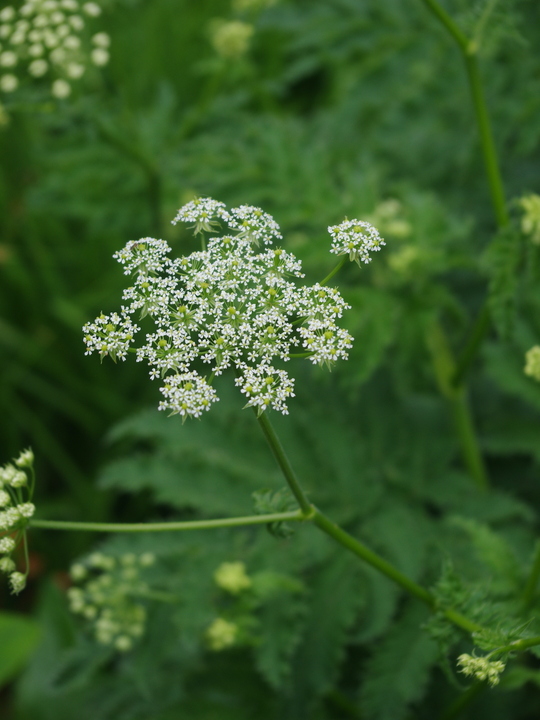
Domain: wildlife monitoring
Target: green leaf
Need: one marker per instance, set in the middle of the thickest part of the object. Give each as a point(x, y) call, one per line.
point(19, 636)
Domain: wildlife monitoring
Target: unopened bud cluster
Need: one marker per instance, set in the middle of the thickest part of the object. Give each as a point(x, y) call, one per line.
point(231, 577)
point(48, 39)
point(107, 597)
point(233, 305)
point(16, 488)
point(481, 668)
point(532, 362)
point(530, 222)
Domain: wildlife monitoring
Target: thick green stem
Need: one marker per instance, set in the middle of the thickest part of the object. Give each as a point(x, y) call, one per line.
point(284, 464)
point(516, 646)
point(532, 580)
point(167, 526)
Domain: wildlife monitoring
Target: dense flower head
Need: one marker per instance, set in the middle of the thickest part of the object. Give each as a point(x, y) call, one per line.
point(16, 508)
point(532, 362)
point(235, 304)
point(106, 597)
point(49, 39)
point(356, 238)
point(481, 668)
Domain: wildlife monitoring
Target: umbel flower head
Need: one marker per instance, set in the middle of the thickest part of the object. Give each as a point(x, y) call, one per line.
point(236, 304)
point(48, 39)
point(107, 596)
point(16, 508)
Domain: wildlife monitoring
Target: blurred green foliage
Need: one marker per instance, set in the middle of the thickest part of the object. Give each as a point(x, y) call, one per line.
point(339, 108)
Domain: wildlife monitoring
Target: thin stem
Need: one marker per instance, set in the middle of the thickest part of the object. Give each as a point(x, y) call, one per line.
point(489, 150)
point(310, 512)
point(517, 646)
point(445, 370)
point(532, 580)
point(26, 556)
point(335, 270)
point(478, 332)
point(448, 23)
point(470, 448)
point(167, 526)
point(285, 466)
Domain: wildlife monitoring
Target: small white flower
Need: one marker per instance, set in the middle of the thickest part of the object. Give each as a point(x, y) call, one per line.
point(8, 59)
point(72, 42)
point(101, 39)
point(58, 56)
point(99, 56)
point(76, 22)
point(25, 459)
point(19, 479)
point(36, 50)
point(8, 83)
point(5, 499)
point(5, 31)
point(92, 9)
point(38, 68)
point(75, 70)
point(7, 545)
point(60, 89)
point(69, 5)
point(17, 581)
point(7, 565)
point(7, 14)
point(57, 18)
point(18, 38)
point(26, 510)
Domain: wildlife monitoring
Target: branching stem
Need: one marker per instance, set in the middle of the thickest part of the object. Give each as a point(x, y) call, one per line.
point(166, 526)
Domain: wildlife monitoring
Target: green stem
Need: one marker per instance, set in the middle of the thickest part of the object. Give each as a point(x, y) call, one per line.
point(310, 512)
point(517, 646)
point(465, 360)
point(489, 150)
point(167, 526)
point(445, 371)
point(335, 270)
point(449, 24)
point(532, 580)
point(285, 466)
point(466, 432)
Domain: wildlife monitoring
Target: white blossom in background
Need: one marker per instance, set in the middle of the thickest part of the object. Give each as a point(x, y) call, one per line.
point(16, 508)
point(355, 238)
point(236, 304)
point(107, 597)
point(49, 40)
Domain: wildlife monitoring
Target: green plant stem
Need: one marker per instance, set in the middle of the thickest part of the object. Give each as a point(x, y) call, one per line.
point(487, 142)
point(532, 580)
point(477, 334)
point(335, 270)
point(284, 464)
point(517, 646)
point(166, 526)
point(469, 50)
point(468, 440)
point(445, 370)
point(460, 38)
point(310, 512)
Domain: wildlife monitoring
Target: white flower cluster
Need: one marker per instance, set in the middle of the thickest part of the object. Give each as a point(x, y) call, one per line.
point(355, 238)
point(232, 577)
point(106, 597)
point(16, 489)
point(43, 38)
point(481, 668)
point(230, 305)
